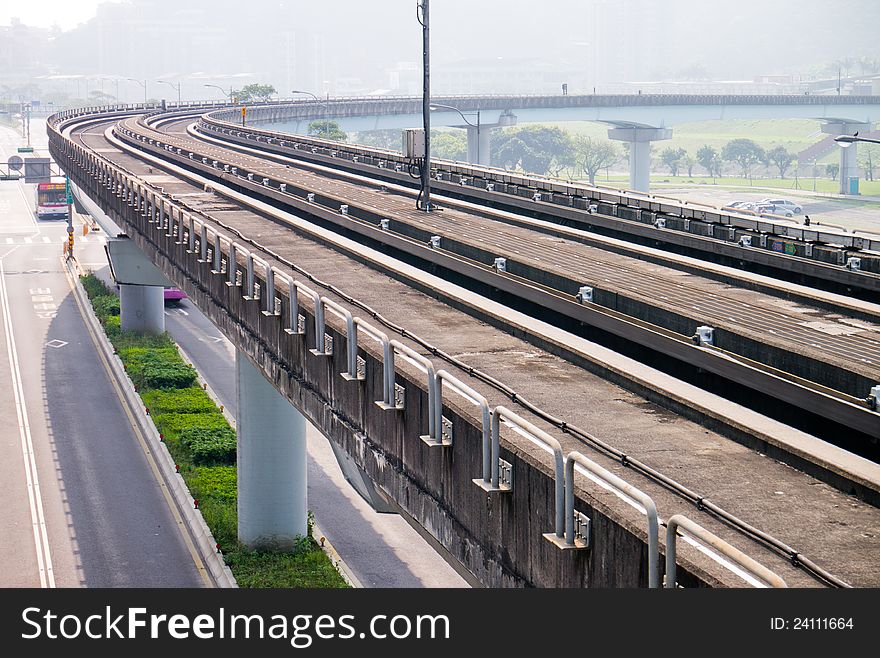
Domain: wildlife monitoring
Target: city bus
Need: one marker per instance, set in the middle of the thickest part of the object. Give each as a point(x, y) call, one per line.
point(51, 201)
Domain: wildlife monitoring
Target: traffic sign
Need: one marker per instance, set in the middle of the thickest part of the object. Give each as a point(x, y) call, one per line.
point(15, 163)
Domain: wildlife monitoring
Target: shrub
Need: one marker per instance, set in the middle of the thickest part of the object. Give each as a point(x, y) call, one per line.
point(94, 286)
point(209, 446)
point(172, 424)
point(112, 326)
point(105, 305)
point(213, 482)
point(157, 367)
point(180, 400)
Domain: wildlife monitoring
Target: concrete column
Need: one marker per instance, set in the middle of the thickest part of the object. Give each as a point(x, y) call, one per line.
point(272, 510)
point(479, 155)
point(849, 165)
point(639, 139)
point(142, 308)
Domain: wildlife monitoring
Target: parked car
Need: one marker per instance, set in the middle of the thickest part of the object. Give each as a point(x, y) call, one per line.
point(773, 209)
point(795, 208)
point(741, 205)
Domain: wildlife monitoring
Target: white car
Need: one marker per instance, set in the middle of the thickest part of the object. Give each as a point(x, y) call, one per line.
point(783, 205)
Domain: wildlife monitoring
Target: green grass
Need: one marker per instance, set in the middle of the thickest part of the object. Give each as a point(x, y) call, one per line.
point(202, 444)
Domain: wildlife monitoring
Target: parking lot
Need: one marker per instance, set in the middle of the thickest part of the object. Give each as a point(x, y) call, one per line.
point(852, 214)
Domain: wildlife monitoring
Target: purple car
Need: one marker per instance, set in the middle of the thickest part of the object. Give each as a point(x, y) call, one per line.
point(174, 295)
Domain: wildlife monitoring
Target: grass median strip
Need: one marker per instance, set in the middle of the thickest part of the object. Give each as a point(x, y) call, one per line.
point(202, 444)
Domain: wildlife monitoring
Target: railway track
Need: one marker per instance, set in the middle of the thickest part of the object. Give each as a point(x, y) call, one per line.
point(815, 364)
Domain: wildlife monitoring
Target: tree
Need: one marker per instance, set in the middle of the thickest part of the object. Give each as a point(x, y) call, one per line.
point(709, 160)
point(869, 65)
point(451, 145)
point(831, 170)
point(532, 148)
point(689, 162)
point(255, 92)
point(383, 139)
point(327, 130)
point(782, 158)
point(593, 155)
point(745, 153)
point(869, 159)
point(672, 158)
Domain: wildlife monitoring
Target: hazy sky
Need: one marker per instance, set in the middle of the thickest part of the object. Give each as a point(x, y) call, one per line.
point(626, 40)
point(45, 13)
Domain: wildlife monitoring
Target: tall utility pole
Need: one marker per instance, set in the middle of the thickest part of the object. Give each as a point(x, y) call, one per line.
point(423, 14)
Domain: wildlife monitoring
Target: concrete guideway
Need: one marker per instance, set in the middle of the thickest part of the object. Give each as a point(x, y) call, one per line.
point(415, 310)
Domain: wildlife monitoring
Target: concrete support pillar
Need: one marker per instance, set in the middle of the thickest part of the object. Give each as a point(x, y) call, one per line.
point(478, 144)
point(272, 510)
point(849, 166)
point(639, 139)
point(142, 308)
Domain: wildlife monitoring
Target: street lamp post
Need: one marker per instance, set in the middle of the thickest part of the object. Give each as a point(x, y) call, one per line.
point(142, 84)
point(424, 17)
point(326, 109)
point(229, 93)
point(438, 106)
point(845, 141)
point(173, 86)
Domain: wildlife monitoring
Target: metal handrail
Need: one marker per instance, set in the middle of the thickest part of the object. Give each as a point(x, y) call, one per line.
point(465, 391)
point(623, 487)
point(350, 333)
point(536, 434)
point(397, 346)
point(698, 531)
point(387, 359)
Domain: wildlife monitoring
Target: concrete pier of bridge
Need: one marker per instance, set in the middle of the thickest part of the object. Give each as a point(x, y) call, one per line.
point(849, 164)
point(639, 139)
point(272, 507)
point(142, 308)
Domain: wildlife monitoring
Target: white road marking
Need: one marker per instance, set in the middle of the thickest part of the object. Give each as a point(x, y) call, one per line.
point(38, 518)
point(8, 240)
point(28, 241)
point(46, 239)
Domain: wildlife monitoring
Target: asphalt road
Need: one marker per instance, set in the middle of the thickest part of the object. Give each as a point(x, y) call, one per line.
point(81, 506)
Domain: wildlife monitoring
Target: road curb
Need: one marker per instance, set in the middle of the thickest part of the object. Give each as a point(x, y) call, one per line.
point(198, 529)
